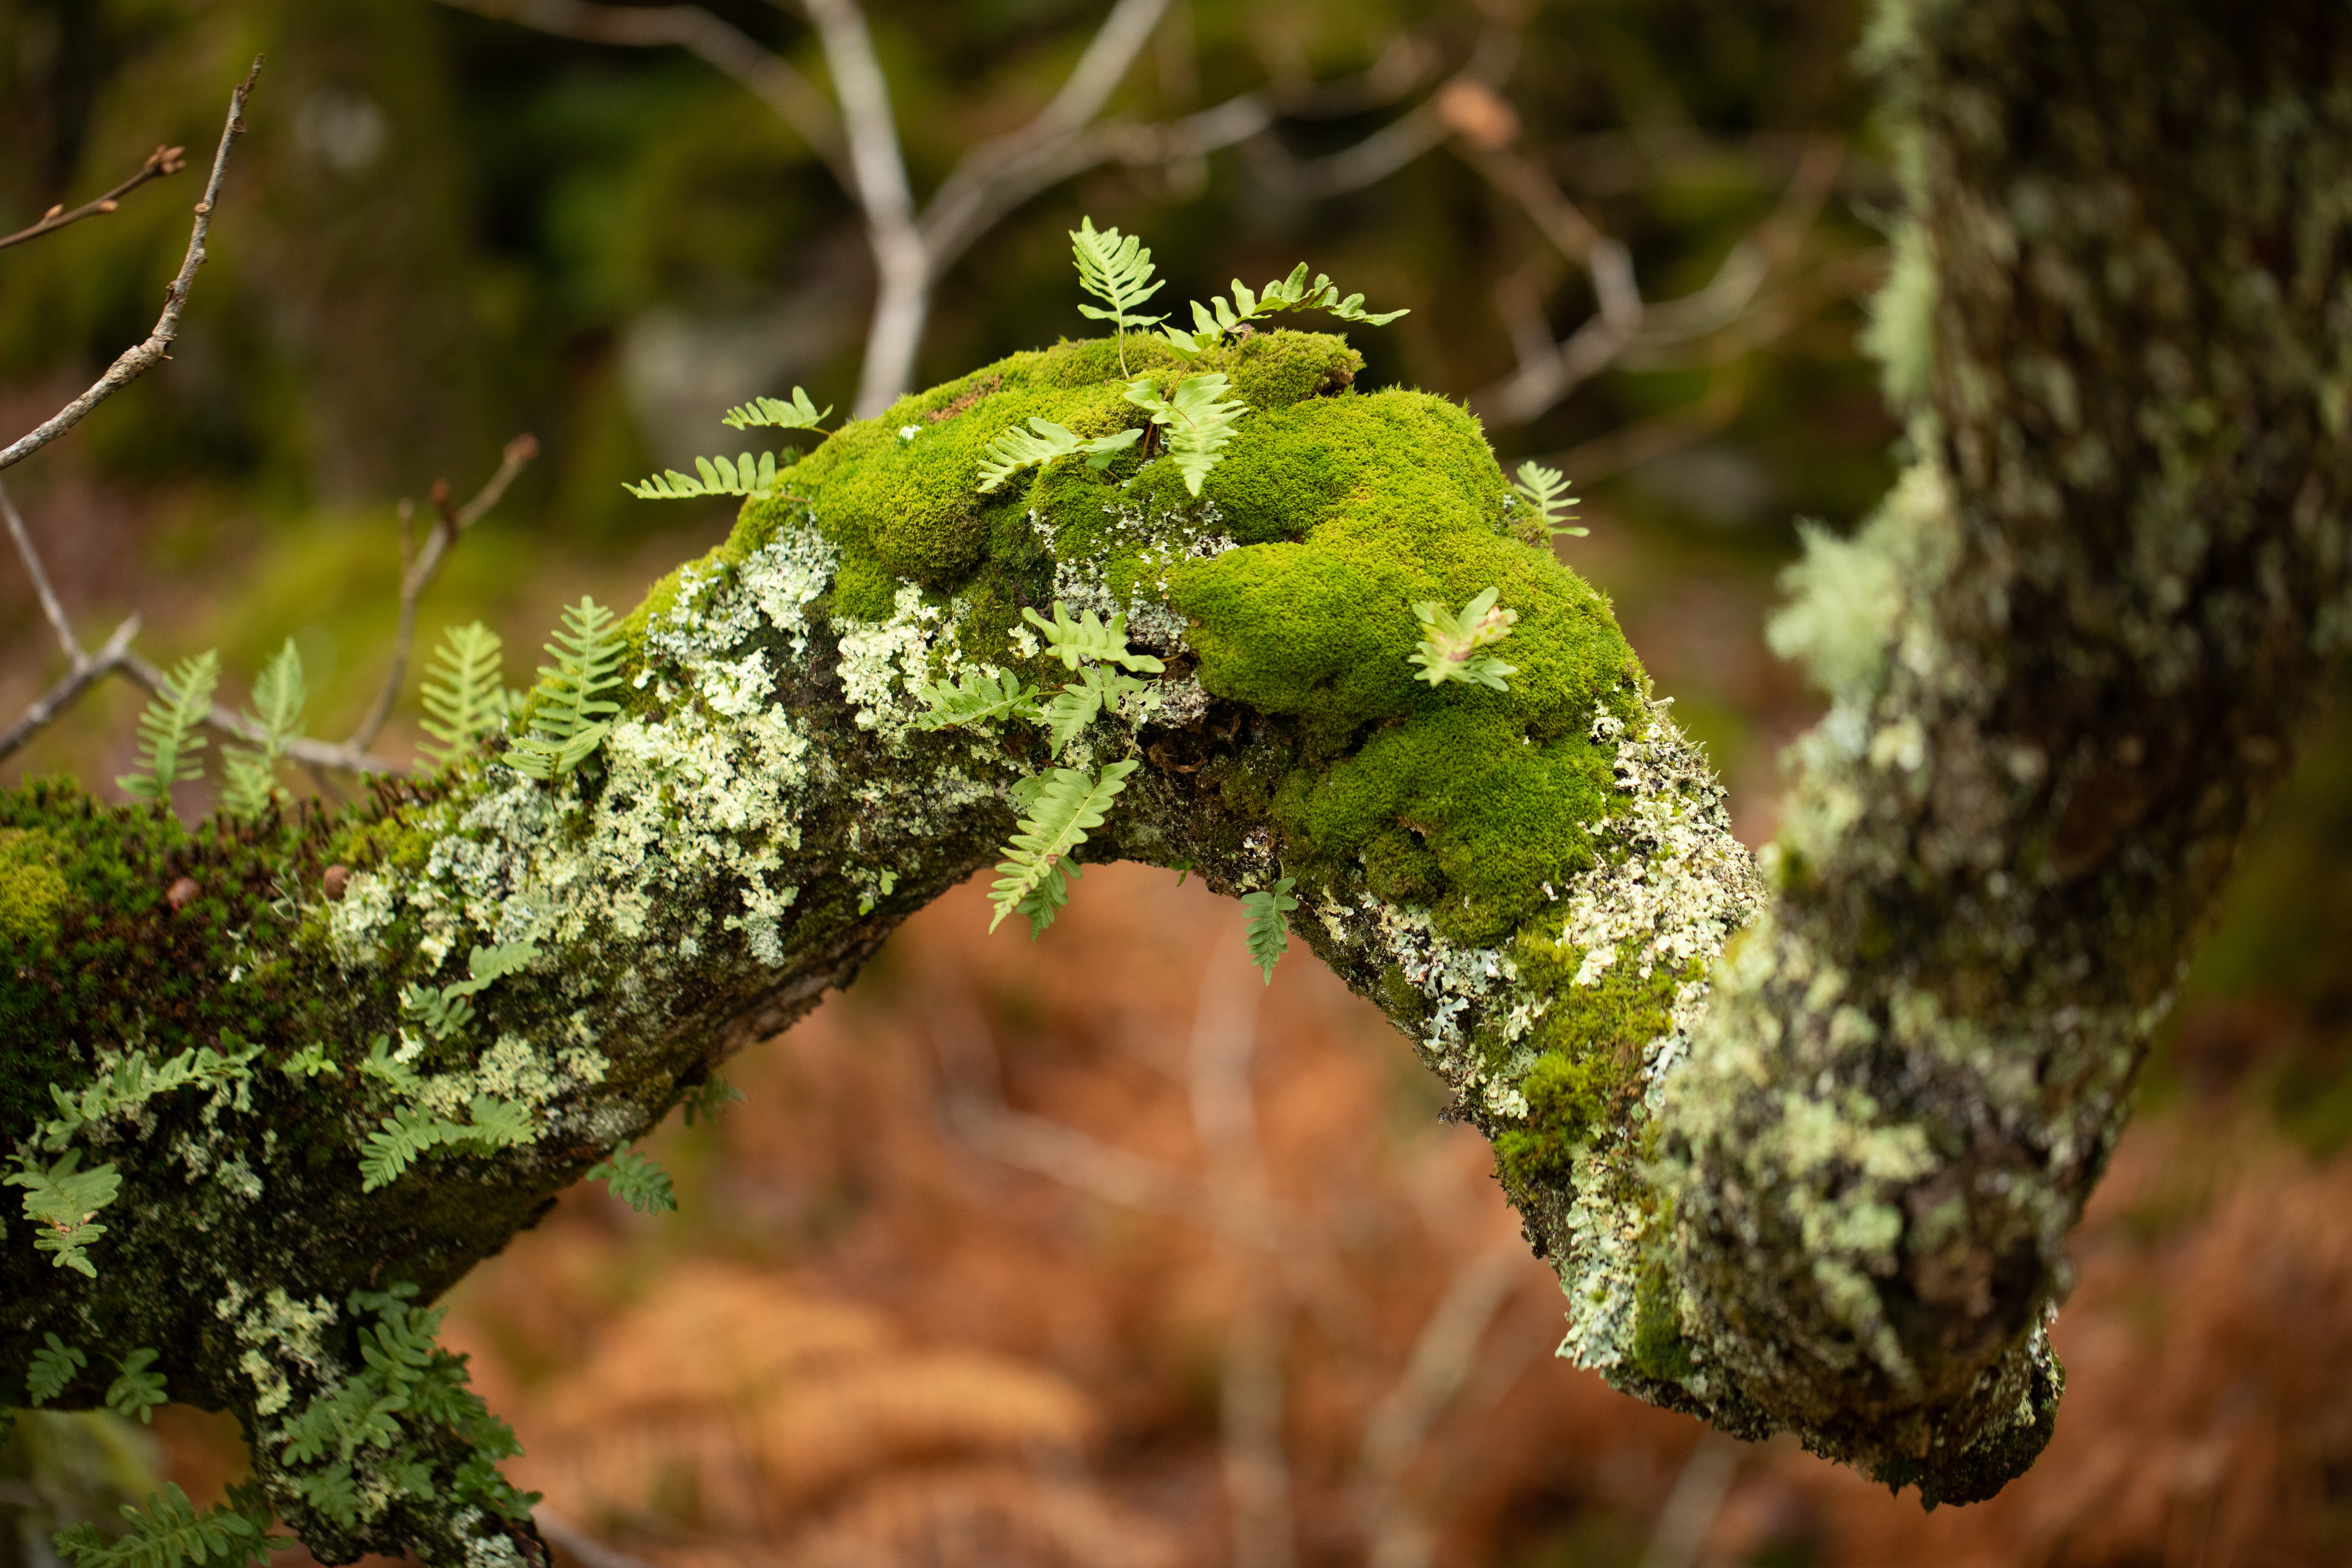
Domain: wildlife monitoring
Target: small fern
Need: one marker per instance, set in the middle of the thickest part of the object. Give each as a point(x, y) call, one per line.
point(1199, 425)
point(385, 1067)
point(1291, 293)
point(1088, 638)
point(53, 1365)
point(706, 1100)
point(65, 1203)
point(168, 1532)
point(279, 697)
point(1036, 866)
point(1268, 932)
point(168, 737)
point(743, 476)
point(439, 1013)
point(137, 1391)
point(1042, 443)
point(976, 699)
point(1543, 495)
point(465, 694)
point(1450, 642)
point(1117, 271)
point(775, 413)
point(139, 1078)
point(405, 1136)
point(636, 1180)
point(1076, 705)
point(571, 720)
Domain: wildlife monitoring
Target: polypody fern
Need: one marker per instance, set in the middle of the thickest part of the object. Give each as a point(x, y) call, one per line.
point(1035, 878)
point(465, 692)
point(1450, 642)
point(571, 719)
point(278, 699)
point(1199, 425)
point(168, 737)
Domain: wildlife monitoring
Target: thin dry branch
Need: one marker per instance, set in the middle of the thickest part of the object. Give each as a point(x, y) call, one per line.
point(40, 576)
point(419, 568)
point(1679, 1537)
point(136, 362)
point(345, 758)
point(163, 161)
point(87, 671)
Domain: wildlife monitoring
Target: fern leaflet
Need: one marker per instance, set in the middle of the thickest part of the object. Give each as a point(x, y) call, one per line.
point(1268, 933)
point(138, 1391)
point(976, 698)
point(1450, 642)
point(1117, 271)
point(1291, 293)
point(280, 695)
point(1088, 638)
point(571, 720)
point(405, 1136)
point(743, 476)
point(53, 1365)
point(1037, 865)
point(1042, 443)
point(464, 696)
point(485, 965)
point(65, 1203)
point(139, 1078)
point(1199, 425)
point(168, 740)
point(386, 1067)
point(636, 1180)
point(1550, 506)
point(1075, 705)
point(168, 1532)
point(775, 413)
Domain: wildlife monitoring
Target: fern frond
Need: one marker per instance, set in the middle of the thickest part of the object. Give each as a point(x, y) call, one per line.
point(168, 1532)
point(280, 695)
point(463, 694)
point(1088, 638)
point(485, 965)
point(976, 699)
point(571, 720)
point(439, 1013)
point(1117, 271)
point(1070, 803)
point(1199, 425)
point(706, 1100)
point(1550, 504)
point(168, 736)
point(743, 476)
point(65, 1203)
point(1291, 293)
point(388, 1068)
point(1042, 443)
point(1076, 706)
point(138, 1078)
point(1450, 642)
point(402, 1138)
point(1268, 932)
point(775, 413)
point(636, 1180)
point(53, 1365)
point(137, 1391)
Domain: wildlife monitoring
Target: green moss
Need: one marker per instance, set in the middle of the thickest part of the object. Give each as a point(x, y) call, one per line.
point(31, 889)
point(1659, 1350)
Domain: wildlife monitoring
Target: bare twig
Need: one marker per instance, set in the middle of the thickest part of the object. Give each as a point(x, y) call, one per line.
point(1441, 1362)
point(40, 576)
point(136, 362)
point(163, 161)
point(418, 568)
point(87, 671)
point(593, 1553)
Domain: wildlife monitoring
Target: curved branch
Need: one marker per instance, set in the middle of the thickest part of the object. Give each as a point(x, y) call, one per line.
point(163, 161)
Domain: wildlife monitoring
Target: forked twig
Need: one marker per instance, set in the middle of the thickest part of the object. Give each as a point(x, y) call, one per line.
point(163, 161)
point(136, 362)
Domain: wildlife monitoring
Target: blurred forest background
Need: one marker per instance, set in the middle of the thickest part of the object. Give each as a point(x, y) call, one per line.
point(1097, 1252)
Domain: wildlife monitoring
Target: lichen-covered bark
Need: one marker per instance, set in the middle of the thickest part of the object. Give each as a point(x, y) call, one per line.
point(2069, 659)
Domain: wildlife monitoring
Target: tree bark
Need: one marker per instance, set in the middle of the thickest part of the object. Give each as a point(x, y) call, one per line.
point(2068, 656)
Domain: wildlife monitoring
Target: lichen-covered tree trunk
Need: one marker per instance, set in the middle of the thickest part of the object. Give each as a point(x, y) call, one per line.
point(328, 1059)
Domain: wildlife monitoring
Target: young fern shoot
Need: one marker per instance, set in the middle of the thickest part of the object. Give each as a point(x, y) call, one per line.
point(1088, 638)
point(1268, 934)
point(168, 1532)
point(1451, 641)
point(1291, 293)
point(465, 693)
point(976, 698)
point(745, 475)
point(168, 736)
point(1116, 269)
point(1037, 872)
point(1199, 425)
point(634, 1179)
point(1041, 443)
point(1550, 506)
point(281, 695)
point(776, 414)
point(571, 720)
point(53, 1365)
